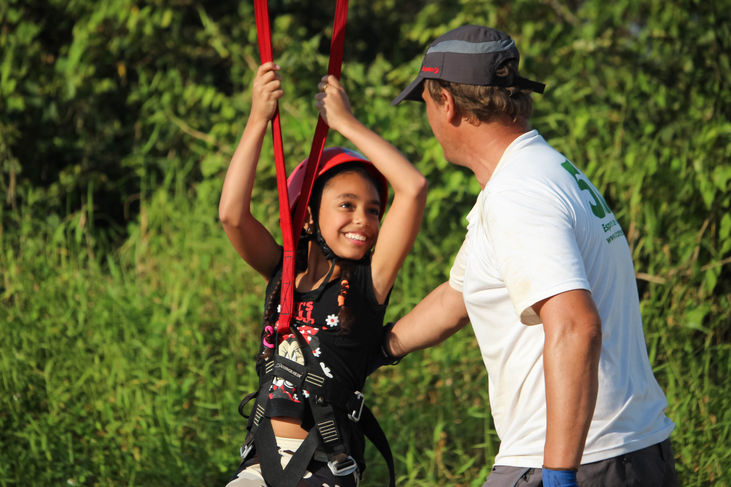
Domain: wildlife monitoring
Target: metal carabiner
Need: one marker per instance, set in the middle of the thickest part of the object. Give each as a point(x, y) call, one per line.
point(354, 415)
point(245, 450)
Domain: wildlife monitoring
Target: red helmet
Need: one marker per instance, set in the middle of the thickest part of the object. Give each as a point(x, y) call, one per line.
point(331, 157)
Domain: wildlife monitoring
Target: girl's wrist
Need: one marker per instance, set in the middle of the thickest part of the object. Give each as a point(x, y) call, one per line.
point(347, 126)
point(257, 123)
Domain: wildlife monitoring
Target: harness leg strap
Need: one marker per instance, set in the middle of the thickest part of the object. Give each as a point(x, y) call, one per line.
point(270, 460)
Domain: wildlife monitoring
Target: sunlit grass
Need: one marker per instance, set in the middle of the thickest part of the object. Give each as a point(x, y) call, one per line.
point(126, 368)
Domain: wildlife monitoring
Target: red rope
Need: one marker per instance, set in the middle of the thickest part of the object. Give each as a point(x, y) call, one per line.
point(337, 44)
point(290, 229)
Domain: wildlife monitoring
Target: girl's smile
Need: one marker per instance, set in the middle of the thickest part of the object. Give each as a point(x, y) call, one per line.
point(349, 214)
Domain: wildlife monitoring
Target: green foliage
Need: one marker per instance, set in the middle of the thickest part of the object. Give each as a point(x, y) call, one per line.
point(128, 324)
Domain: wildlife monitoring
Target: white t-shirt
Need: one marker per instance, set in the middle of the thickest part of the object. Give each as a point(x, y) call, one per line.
point(540, 228)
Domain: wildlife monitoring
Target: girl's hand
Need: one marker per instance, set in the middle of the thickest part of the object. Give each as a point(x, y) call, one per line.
point(265, 92)
point(332, 103)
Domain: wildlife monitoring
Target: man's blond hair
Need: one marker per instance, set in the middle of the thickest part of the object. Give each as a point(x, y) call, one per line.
point(486, 103)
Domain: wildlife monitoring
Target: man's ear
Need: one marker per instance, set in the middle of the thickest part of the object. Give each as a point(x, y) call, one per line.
point(449, 107)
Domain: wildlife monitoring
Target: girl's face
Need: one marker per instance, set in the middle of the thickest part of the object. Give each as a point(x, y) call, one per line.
point(348, 216)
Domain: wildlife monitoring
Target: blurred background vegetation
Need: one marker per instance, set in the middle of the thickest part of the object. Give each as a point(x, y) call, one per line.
point(128, 324)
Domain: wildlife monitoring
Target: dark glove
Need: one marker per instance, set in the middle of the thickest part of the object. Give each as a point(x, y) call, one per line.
point(383, 357)
point(559, 478)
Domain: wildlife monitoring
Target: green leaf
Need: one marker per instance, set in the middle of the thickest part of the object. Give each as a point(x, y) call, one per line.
point(694, 317)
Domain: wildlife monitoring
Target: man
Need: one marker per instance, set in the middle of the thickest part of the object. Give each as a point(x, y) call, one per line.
point(546, 278)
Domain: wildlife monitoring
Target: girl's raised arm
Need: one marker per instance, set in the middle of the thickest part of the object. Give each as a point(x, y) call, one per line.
point(250, 238)
point(401, 224)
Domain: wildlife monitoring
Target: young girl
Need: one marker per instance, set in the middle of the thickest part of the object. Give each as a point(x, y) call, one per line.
point(306, 428)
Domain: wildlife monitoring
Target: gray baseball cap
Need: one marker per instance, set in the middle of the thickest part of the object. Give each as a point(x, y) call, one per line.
point(471, 55)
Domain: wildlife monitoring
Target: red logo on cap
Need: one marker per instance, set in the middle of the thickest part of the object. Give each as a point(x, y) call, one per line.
point(434, 70)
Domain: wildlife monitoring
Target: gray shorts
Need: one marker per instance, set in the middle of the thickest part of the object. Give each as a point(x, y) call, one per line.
point(653, 466)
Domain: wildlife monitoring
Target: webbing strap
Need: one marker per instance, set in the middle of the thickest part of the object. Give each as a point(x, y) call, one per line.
point(264, 35)
point(337, 44)
point(369, 425)
point(270, 460)
point(290, 228)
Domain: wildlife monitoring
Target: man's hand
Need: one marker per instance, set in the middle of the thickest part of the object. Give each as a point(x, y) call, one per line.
point(384, 357)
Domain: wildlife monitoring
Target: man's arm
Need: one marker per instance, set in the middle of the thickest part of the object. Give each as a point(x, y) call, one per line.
point(437, 317)
point(573, 341)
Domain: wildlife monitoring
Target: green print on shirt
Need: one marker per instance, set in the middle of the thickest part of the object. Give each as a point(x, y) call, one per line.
point(599, 207)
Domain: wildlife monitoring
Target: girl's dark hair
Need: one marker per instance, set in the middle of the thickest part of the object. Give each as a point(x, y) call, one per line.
point(345, 317)
point(270, 323)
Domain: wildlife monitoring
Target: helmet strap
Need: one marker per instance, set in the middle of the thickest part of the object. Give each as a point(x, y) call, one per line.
point(329, 253)
point(326, 250)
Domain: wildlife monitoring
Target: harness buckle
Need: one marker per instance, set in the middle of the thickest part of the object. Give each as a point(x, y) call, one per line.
point(341, 468)
point(354, 415)
point(245, 450)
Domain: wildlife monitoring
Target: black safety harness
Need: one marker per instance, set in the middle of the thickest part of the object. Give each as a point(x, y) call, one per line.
point(339, 414)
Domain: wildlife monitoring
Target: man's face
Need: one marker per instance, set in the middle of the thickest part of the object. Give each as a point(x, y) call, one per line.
point(431, 109)
point(437, 120)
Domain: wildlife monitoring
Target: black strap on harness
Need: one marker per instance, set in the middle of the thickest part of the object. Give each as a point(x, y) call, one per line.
point(271, 466)
point(326, 441)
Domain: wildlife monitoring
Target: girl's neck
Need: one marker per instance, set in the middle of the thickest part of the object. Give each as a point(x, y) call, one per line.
point(317, 270)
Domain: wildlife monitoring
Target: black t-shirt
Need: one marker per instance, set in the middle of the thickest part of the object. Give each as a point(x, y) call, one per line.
point(344, 355)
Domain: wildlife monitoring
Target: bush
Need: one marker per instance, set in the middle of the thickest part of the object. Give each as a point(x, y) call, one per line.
point(129, 323)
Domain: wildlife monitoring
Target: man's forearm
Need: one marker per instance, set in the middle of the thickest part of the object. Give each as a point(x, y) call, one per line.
point(571, 390)
point(437, 317)
point(570, 360)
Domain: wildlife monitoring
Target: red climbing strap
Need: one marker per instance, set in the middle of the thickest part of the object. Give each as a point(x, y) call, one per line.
point(318, 141)
point(291, 228)
point(261, 12)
